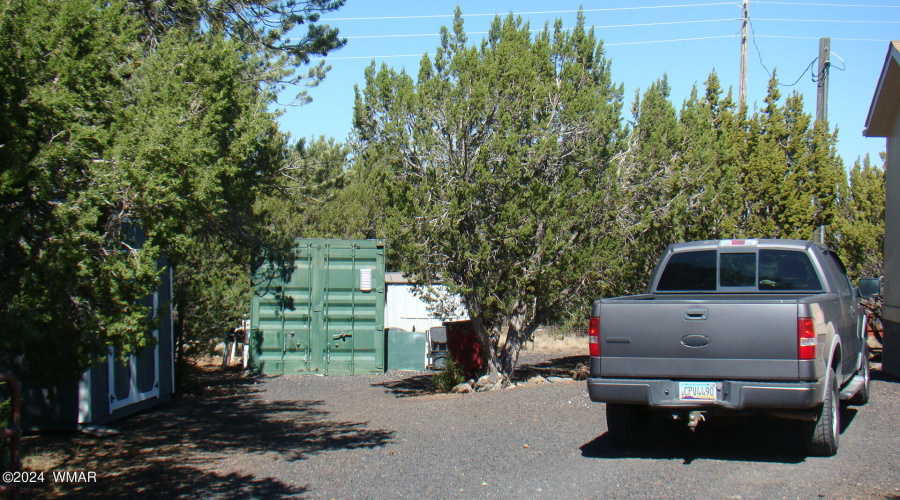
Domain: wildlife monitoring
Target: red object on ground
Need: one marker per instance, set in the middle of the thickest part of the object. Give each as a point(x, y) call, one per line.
point(464, 347)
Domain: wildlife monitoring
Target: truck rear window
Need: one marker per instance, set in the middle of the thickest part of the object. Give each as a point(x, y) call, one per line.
point(765, 270)
point(737, 269)
point(689, 271)
point(786, 270)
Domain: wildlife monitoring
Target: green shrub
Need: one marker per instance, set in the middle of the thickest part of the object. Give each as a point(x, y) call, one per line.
point(448, 378)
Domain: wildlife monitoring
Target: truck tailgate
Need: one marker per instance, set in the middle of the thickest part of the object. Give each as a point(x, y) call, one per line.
point(723, 338)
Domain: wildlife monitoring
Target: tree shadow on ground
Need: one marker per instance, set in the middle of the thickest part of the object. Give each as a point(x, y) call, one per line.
point(883, 377)
point(423, 385)
point(745, 439)
point(556, 367)
point(876, 352)
point(202, 446)
point(161, 480)
point(415, 385)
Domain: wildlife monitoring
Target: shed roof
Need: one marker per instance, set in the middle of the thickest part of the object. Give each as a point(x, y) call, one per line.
point(394, 278)
point(886, 102)
point(399, 278)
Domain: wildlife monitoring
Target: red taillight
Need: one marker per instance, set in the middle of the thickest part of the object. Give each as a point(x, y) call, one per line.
point(806, 339)
point(594, 336)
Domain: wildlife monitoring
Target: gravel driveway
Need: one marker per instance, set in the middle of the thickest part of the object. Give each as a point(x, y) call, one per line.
point(390, 436)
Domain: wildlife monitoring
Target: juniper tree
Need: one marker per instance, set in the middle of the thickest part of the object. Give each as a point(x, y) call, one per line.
point(500, 151)
point(859, 230)
point(121, 115)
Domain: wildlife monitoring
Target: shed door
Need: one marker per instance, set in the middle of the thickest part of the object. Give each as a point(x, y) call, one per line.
point(137, 378)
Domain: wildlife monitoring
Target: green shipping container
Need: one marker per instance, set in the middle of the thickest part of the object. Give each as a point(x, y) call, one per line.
point(323, 314)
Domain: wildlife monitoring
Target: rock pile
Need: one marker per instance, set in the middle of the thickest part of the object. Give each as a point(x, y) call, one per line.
point(493, 382)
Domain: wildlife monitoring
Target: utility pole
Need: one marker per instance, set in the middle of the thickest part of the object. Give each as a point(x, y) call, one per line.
point(822, 84)
point(822, 95)
point(745, 23)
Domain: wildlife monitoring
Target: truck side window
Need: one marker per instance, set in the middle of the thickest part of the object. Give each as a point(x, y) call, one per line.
point(689, 271)
point(787, 270)
point(843, 280)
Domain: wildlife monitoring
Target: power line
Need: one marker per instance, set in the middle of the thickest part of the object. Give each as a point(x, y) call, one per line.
point(439, 16)
point(347, 58)
point(827, 21)
point(883, 40)
point(604, 44)
point(669, 41)
point(801, 75)
point(843, 63)
point(391, 56)
point(815, 77)
point(535, 30)
point(761, 63)
point(831, 5)
point(758, 52)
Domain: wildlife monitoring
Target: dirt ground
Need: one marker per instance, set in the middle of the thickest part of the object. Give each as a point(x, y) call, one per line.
point(393, 435)
point(168, 449)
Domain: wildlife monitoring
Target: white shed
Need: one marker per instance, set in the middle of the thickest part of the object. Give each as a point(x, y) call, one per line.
point(407, 310)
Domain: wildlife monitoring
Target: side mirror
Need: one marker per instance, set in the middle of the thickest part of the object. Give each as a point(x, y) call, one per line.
point(869, 287)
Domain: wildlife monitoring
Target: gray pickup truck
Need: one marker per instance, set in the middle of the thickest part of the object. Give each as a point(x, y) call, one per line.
point(733, 327)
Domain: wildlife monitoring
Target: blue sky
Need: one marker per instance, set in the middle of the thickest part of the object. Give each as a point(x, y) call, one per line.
point(684, 39)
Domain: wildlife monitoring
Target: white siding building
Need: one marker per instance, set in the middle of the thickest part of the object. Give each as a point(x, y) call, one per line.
point(884, 121)
point(406, 310)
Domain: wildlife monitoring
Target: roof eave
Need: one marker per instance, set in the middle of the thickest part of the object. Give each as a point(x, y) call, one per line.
point(885, 103)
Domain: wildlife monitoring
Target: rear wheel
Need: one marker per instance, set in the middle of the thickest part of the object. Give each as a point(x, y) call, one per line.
point(628, 424)
point(822, 436)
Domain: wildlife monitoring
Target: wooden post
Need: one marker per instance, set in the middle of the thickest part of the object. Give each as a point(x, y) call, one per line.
point(822, 83)
point(745, 22)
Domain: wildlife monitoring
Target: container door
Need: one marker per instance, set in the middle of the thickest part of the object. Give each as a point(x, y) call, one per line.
point(325, 313)
point(297, 314)
point(352, 310)
point(267, 331)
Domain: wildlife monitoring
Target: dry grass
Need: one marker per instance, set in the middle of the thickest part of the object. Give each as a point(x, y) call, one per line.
point(554, 341)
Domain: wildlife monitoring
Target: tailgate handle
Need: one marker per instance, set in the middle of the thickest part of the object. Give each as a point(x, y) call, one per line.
point(695, 313)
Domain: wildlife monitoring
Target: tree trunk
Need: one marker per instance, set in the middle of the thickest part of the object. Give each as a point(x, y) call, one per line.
point(178, 322)
point(515, 322)
point(519, 331)
point(488, 353)
point(178, 333)
point(499, 362)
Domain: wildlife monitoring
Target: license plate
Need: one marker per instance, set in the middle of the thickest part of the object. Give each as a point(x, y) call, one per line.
point(697, 391)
